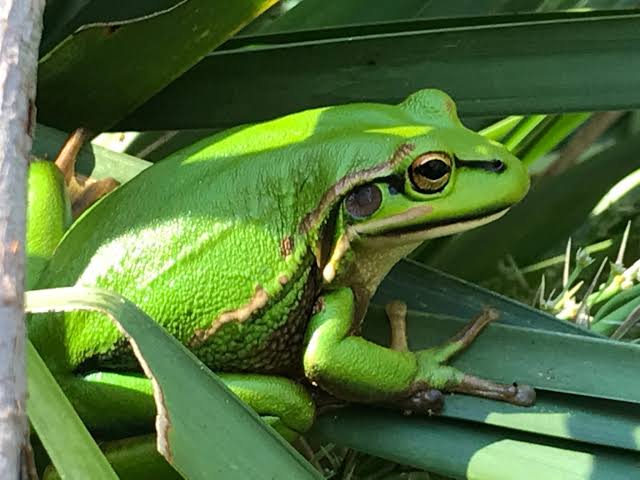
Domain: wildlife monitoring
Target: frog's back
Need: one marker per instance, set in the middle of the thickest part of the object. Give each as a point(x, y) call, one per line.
point(213, 273)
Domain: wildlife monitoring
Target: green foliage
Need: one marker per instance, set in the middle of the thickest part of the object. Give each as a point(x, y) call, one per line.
point(536, 61)
point(184, 386)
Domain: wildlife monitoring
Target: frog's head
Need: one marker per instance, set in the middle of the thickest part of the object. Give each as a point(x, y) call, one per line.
point(443, 179)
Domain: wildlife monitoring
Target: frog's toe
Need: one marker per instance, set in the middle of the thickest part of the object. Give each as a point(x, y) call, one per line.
point(429, 401)
point(525, 395)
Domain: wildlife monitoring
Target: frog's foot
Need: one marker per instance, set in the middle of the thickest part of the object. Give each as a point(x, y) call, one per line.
point(83, 191)
point(434, 374)
point(89, 191)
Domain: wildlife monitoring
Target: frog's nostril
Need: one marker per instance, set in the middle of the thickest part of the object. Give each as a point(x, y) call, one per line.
point(498, 166)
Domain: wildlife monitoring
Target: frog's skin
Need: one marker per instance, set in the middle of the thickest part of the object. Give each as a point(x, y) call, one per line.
point(261, 247)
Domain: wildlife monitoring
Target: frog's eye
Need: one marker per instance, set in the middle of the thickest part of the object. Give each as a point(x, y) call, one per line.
point(430, 172)
point(363, 201)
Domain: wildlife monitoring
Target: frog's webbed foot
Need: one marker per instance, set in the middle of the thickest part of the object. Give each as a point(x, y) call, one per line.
point(83, 191)
point(523, 395)
point(425, 398)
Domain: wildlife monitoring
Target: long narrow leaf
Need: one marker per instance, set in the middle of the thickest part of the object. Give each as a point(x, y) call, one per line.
point(602, 422)
point(453, 449)
point(67, 441)
point(63, 17)
point(590, 62)
point(430, 291)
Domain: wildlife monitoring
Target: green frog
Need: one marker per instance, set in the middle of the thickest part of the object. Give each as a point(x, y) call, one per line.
point(260, 248)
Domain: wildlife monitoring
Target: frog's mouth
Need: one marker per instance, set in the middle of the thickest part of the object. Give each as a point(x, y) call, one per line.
point(425, 231)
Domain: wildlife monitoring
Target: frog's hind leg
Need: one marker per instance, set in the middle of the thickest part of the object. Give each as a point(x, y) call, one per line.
point(107, 399)
point(282, 403)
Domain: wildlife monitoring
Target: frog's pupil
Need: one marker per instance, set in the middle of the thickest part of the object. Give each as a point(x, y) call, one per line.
point(434, 169)
point(363, 201)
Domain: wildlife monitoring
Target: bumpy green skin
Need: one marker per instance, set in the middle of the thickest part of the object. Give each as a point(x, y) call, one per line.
point(48, 216)
point(225, 243)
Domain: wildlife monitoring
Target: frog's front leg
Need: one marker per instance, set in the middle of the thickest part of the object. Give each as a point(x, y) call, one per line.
point(428, 401)
point(355, 369)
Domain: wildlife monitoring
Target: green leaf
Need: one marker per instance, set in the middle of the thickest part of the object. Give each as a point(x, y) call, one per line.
point(310, 14)
point(93, 160)
point(427, 290)
point(133, 458)
point(575, 417)
point(525, 128)
point(100, 74)
point(63, 17)
point(203, 429)
point(551, 137)
point(500, 129)
point(460, 450)
point(609, 322)
point(585, 67)
point(67, 441)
